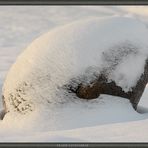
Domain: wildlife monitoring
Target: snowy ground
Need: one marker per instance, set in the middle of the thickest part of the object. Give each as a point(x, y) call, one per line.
point(111, 119)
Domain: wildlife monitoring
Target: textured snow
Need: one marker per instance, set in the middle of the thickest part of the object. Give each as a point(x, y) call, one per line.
point(110, 119)
point(55, 58)
point(72, 119)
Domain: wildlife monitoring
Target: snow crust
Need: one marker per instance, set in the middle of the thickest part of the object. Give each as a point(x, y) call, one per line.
point(75, 115)
point(94, 121)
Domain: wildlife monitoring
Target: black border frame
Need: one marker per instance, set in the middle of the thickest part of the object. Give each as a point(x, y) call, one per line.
point(73, 2)
point(74, 144)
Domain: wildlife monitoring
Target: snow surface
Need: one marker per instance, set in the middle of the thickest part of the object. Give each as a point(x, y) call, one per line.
point(51, 61)
point(107, 118)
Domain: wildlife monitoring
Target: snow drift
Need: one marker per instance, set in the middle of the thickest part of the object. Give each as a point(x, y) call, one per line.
point(79, 51)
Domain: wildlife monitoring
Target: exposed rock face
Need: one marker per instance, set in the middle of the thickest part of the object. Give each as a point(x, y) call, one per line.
point(102, 86)
point(4, 111)
point(2, 114)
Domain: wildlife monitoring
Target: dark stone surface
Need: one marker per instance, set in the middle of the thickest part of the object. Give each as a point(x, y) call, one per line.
point(138, 90)
point(2, 114)
point(101, 86)
point(4, 111)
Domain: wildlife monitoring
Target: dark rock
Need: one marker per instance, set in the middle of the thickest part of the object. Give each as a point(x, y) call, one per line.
point(102, 86)
point(2, 114)
point(4, 111)
point(138, 90)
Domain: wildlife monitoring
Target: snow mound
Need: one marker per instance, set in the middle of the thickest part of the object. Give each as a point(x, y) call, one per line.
point(76, 51)
point(104, 110)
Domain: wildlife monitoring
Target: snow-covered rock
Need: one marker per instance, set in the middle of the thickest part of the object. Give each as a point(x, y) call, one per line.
point(103, 85)
point(77, 53)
